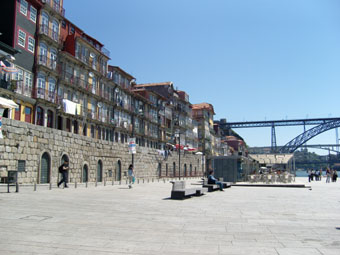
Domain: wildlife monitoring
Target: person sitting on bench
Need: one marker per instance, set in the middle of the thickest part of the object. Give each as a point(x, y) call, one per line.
point(213, 180)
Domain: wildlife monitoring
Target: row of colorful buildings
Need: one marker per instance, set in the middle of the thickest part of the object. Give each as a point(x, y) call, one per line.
point(60, 77)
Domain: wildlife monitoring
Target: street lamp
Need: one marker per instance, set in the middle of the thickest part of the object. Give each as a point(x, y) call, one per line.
point(178, 134)
point(132, 142)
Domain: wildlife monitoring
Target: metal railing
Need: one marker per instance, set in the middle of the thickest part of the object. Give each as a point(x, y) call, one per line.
point(48, 62)
point(47, 95)
point(54, 35)
point(55, 5)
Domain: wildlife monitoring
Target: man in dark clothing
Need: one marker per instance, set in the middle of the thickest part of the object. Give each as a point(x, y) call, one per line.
point(63, 169)
point(213, 180)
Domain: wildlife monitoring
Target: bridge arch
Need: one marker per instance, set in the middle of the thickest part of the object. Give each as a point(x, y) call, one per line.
point(307, 135)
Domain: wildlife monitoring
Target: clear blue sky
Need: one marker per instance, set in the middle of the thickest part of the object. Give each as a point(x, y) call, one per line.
point(251, 59)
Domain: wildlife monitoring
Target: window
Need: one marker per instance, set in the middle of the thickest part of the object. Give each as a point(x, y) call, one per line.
point(41, 84)
point(33, 15)
point(22, 38)
point(28, 80)
point(23, 7)
point(55, 30)
point(31, 44)
point(21, 165)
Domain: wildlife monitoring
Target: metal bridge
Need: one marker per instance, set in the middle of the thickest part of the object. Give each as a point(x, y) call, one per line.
point(328, 147)
point(321, 125)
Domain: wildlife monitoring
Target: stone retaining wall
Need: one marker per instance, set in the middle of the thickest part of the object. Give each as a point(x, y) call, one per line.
point(26, 142)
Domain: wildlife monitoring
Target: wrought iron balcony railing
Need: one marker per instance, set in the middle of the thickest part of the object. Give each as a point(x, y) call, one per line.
point(47, 95)
point(48, 62)
point(55, 5)
point(54, 35)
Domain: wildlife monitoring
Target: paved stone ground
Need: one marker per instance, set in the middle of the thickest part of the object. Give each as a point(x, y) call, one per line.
point(117, 220)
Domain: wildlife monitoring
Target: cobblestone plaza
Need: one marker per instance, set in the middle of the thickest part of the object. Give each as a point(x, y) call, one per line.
point(143, 220)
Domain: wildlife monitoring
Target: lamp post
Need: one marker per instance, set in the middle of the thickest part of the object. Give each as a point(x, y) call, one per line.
point(132, 142)
point(178, 134)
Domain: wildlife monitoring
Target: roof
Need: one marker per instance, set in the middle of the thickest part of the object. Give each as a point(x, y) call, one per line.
point(272, 158)
point(202, 106)
point(120, 70)
point(168, 83)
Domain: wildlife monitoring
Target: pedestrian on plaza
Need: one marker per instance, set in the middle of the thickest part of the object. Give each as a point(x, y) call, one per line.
point(131, 176)
point(316, 175)
point(63, 169)
point(328, 175)
point(313, 174)
point(320, 174)
point(213, 180)
point(334, 175)
point(309, 172)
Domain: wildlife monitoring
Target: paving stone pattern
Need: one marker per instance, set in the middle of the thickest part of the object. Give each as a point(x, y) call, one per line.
point(143, 220)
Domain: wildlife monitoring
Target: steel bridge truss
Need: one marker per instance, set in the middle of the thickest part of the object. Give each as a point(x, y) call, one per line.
point(307, 135)
point(324, 124)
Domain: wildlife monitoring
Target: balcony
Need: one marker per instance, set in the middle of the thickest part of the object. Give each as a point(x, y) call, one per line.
point(17, 87)
point(77, 82)
point(23, 90)
point(47, 95)
point(56, 6)
point(102, 117)
point(54, 35)
point(48, 62)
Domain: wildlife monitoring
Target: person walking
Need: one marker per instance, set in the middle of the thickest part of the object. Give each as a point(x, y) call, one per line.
point(328, 175)
point(320, 174)
point(131, 176)
point(335, 175)
point(63, 169)
point(309, 175)
point(213, 180)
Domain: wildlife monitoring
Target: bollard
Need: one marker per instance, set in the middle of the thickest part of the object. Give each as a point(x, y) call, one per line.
point(137, 181)
point(152, 179)
point(120, 182)
point(104, 181)
point(96, 183)
point(86, 185)
point(143, 180)
point(50, 186)
point(35, 186)
point(17, 187)
point(112, 182)
point(164, 180)
point(75, 184)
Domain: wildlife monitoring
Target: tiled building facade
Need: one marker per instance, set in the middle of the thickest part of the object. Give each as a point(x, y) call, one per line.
point(64, 82)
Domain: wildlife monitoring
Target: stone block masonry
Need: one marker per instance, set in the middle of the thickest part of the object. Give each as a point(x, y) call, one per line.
point(35, 151)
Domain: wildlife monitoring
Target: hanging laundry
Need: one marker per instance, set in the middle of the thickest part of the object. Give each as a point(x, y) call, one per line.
point(78, 107)
point(69, 106)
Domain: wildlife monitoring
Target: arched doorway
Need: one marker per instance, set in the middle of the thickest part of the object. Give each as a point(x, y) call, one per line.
point(45, 168)
point(64, 158)
point(99, 171)
point(40, 116)
point(49, 119)
point(119, 171)
point(85, 175)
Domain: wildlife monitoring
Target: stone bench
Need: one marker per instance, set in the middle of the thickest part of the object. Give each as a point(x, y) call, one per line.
point(180, 192)
point(213, 187)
